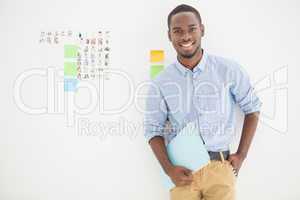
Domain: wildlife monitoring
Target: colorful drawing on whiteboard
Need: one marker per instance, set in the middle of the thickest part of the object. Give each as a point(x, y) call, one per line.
point(86, 56)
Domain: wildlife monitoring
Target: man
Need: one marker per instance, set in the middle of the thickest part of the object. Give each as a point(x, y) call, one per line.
point(205, 87)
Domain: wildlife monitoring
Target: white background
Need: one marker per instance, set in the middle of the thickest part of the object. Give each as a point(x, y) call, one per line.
point(42, 158)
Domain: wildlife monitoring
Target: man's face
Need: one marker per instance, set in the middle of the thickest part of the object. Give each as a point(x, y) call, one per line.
point(185, 34)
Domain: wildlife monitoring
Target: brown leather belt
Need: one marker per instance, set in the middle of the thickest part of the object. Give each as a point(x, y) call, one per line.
point(215, 155)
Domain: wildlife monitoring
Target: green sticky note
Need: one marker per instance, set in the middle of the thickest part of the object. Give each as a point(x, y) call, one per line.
point(155, 70)
point(70, 69)
point(70, 51)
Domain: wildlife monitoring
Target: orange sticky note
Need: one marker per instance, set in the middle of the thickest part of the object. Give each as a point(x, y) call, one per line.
point(157, 56)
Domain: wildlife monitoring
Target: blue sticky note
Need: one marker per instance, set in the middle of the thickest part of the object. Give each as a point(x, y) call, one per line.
point(70, 84)
point(187, 150)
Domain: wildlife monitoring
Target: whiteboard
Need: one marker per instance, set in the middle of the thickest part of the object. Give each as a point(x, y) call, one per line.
point(88, 143)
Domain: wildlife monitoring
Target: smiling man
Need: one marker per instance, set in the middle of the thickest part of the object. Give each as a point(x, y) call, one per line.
point(203, 87)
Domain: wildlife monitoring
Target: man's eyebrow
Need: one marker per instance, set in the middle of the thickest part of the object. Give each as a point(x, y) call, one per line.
point(176, 28)
point(190, 25)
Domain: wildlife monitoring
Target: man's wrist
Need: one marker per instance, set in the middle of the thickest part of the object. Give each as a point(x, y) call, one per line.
point(242, 154)
point(168, 168)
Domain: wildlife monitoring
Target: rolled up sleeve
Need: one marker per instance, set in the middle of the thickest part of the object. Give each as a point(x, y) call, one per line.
point(242, 91)
point(155, 113)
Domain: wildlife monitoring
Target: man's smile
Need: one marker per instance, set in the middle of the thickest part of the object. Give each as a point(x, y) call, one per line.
point(187, 45)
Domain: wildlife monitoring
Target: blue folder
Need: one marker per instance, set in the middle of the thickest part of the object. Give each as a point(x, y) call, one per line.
point(188, 150)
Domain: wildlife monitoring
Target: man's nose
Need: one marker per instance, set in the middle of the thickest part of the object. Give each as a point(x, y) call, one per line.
point(186, 36)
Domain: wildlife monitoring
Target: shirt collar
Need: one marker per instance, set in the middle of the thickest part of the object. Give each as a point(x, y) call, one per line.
point(199, 67)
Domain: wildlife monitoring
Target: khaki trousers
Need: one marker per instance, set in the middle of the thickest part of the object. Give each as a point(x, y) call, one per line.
point(215, 181)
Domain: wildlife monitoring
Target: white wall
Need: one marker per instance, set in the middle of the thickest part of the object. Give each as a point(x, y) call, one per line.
point(42, 158)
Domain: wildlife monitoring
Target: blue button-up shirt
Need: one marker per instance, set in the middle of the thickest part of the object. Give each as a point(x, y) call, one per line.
point(207, 93)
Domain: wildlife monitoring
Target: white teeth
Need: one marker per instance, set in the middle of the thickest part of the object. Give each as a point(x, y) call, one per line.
point(187, 45)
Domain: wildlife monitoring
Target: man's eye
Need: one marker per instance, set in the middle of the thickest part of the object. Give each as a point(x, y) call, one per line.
point(176, 31)
point(193, 29)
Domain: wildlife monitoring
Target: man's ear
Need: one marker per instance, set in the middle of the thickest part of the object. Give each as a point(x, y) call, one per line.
point(202, 28)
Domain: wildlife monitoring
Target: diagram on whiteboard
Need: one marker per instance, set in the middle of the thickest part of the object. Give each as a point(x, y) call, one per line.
point(86, 55)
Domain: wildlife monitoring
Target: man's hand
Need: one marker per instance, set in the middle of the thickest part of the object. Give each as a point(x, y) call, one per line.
point(180, 175)
point(249, 127)
point(236, 160)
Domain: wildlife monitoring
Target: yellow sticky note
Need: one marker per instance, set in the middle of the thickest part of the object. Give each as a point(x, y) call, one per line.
point(157, 56)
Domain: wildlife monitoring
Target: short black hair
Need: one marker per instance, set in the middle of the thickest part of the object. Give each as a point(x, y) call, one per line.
point(183, 8)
